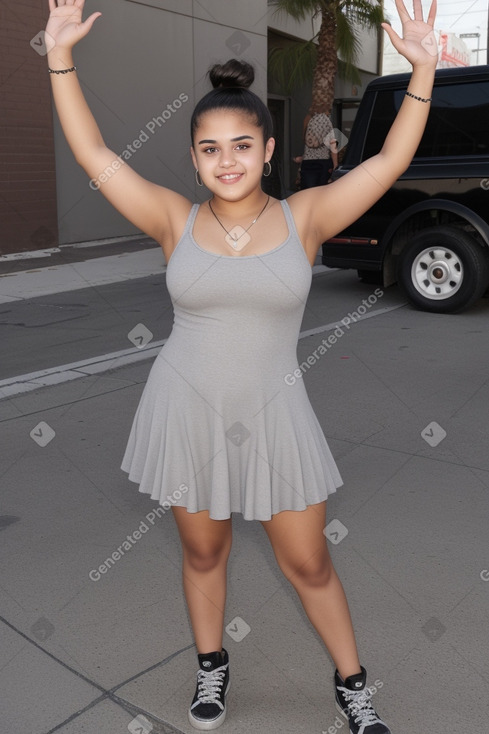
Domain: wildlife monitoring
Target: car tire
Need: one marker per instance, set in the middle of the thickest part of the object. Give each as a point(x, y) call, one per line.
point(443, 270)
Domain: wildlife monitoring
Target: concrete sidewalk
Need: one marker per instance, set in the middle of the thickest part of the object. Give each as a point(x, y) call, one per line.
point(72, 267)
point(403, 402)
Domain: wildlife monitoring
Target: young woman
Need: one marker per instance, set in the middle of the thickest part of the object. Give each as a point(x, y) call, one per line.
point(219, 428)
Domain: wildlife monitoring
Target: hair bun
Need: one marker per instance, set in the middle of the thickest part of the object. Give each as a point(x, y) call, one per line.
point(233, 73)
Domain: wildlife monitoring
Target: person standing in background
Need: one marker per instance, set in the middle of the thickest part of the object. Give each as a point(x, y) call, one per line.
point(320, 157)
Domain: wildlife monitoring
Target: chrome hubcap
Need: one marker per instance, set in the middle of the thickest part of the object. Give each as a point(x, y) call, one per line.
point(437, 273)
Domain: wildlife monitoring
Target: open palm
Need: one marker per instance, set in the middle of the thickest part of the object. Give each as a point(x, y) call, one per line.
point(418, 42)
point(65, 25)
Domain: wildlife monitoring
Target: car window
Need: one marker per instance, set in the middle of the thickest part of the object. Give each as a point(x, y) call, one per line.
point(458, 124)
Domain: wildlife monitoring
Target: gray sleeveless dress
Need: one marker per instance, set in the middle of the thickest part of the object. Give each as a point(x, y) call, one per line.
point(219, 427)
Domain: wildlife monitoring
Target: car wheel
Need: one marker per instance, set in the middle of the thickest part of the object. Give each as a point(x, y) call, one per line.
point(443, 270)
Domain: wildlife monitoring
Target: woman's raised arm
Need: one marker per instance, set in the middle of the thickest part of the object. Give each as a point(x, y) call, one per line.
point(328, 210)
point(147, 205)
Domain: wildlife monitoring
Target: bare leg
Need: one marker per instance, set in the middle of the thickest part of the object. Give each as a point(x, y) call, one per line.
point(301, 551)
point(206, 544)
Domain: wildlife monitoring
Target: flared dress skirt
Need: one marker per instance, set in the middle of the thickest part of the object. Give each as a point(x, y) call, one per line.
point(220, 424)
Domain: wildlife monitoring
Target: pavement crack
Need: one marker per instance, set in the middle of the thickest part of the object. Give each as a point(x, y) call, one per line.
point(163, 727)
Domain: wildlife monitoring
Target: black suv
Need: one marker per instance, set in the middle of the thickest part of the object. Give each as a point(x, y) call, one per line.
point(430, 231)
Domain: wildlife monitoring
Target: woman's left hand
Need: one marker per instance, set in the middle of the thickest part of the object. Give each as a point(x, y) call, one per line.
point(418, 44)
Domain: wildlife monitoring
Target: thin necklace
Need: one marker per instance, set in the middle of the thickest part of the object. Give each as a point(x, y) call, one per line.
point(236, 237)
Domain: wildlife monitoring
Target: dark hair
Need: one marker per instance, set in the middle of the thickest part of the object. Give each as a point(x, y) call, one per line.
point(231, 81)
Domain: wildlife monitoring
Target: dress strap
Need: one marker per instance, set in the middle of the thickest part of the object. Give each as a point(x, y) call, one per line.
point(191, 219)
point(187, 230)
point(290, 219)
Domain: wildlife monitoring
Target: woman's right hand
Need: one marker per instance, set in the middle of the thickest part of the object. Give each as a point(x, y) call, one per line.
point(64, 26)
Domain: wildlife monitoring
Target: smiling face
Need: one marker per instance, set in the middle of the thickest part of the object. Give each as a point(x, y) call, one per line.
point(229, 153)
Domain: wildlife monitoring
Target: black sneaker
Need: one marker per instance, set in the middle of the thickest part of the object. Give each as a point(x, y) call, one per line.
point(208, 708)
point(353, 701)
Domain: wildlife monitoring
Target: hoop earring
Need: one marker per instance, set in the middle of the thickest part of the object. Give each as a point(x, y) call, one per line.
point(269, 170)
point(198, 179)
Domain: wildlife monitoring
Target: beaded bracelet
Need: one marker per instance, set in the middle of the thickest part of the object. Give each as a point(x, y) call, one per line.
point(420, 99)
point(61, 71)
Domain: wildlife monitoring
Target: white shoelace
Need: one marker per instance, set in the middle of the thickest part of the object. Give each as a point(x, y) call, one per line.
point(209, 685)
point(360, 708)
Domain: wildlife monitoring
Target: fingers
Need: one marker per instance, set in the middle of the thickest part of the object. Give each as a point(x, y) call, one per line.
point(403, 13)
point(90, 21)
point(53, 4)
point(418, 10)
point(395, 38)
point(432, 14)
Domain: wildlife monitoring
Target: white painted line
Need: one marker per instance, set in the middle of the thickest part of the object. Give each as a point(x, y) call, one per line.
point(48, 251)
point(74, 276)
point(102, 363)
point(106, 241)
point(335, 324)
point(74, 370)
point(25, 284)
point(31, 255)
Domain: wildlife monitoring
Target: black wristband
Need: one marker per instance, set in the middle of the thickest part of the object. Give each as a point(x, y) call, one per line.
point(420, 99)
point(61, 71)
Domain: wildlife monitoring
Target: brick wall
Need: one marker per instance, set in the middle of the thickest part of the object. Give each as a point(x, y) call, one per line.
point(28, 217)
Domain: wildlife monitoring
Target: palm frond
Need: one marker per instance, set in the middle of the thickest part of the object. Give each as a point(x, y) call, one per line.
point(349, 46)
point(347, 41)
point(364, 12)
point(293, 65)
point(297, 9)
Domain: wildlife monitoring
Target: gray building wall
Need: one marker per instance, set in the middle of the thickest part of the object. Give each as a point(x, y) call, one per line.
point(139, 59)
point(142, 69)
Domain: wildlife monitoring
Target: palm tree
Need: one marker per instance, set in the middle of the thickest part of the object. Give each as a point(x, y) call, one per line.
point(318, 57)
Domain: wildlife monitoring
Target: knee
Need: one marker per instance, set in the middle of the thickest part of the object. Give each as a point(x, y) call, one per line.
point(206, 557)
point(315, 571)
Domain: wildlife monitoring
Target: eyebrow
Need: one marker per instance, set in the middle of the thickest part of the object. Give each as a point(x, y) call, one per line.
point(233, 140)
